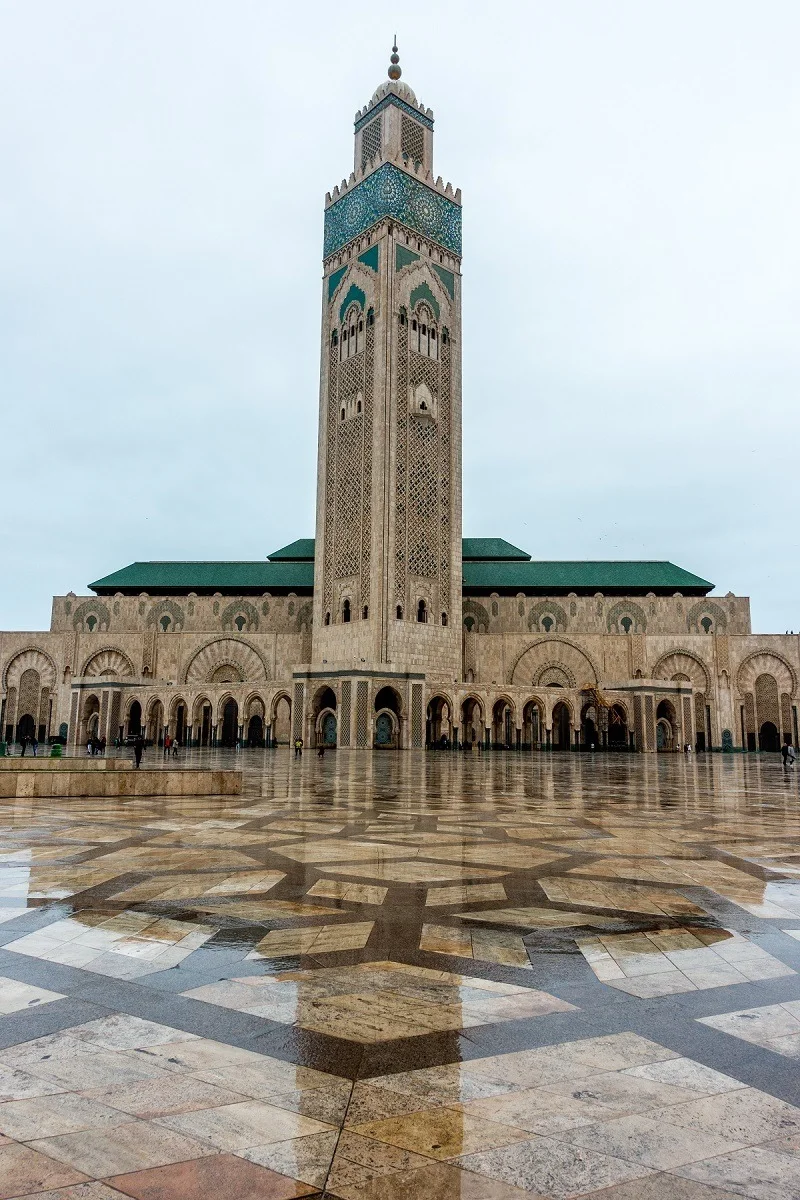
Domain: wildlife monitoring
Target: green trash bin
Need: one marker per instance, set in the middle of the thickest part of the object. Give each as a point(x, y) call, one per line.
point(55, 750)
point(3, 749)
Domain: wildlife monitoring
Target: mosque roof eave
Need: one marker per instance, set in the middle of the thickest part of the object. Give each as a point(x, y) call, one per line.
point(489, 565)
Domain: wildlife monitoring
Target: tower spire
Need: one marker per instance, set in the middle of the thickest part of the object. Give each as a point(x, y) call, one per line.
point(394, 71)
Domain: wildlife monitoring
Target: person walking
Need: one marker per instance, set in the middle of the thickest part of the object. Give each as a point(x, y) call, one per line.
point(321, 751)
point(24, 742)
point(785, 753)
point(34, 745)
point(138, 751)
point(174, 747)
point(167, 744)
point(298, 747)
point(103, 744)
point(791, 755)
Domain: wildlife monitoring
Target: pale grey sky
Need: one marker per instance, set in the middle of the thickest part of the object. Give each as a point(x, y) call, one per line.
point(631, 276)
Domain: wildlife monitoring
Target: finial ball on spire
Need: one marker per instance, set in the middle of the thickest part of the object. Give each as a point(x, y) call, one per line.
point(394, 70)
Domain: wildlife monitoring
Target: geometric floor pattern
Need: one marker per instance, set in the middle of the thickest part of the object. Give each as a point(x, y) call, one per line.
point(416, 976)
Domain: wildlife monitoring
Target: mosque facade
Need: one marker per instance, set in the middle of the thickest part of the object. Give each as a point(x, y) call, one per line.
point(389, 629)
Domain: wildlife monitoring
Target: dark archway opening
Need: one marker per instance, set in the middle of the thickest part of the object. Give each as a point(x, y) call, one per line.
point(617, 728)
point(230, 723)
point(255, 731)
point(769, 738)
point(135, 719)
point(561, 727)
point(26, 728)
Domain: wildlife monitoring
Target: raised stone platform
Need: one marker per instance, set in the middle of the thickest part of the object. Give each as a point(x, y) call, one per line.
point(72, 778)
point(44, 762)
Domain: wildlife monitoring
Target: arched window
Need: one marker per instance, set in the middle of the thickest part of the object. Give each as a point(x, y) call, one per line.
point(424, 334)
point(352, 333)
point(365, 612)
point(422, 612)
point(399, 612)
point(342, 414)
point(327, 618)
point(346, 611)
point(444, 618)
point(370, 317)
point(358, 406)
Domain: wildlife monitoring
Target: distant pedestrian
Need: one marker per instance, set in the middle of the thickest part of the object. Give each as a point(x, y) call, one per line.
point(298, 747)
point(791, 755)
point(174, 747)
point(24, 742)
point(785, 753)
point(138, 750)
point(34, 745)
point(103, 744)
point(321, 751)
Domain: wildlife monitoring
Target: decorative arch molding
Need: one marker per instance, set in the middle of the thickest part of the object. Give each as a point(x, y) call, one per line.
point(239, 655)
point(254, 705)
point(440, 695)
point(634, 613)
point(420, 285)
point(683, 662)
point(706, 608)
point(479, 614)
point(31, 658)
point(108, 662)
point(157, 617)
point(555, 674)
point(554, 653)
point(272, 707)
point(766, 662)
point(304, 616)
point(92, 615)
point(541, 611)
point(240, 617)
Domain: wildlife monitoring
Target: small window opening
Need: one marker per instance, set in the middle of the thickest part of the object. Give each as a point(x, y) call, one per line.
point(344, 335)
point(91, 622)
point(365, 612)
point(327, 618)
point(358, 406)
point(360, 326)
point(342, 414)
point(422, 612)
point(414, 326)
point(399, 612)
point(240, 622)
point(164, 623)
point(433, 334)
point(370, 317)
point(444, 619)
point(402, 318)
point(707, 624)
point(352, 330)
point(626, 623)
point(424, 329)
point(346, 611)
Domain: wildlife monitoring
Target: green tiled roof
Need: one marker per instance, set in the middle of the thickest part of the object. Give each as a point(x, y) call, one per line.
point(491, 549)
point(553, 578)
point(230, 578)
point(490, 565)
point(300, 551)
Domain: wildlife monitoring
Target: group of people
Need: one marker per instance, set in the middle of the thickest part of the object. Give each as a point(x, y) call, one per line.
point(32, 742)
point(96, 745)
point(170, 744)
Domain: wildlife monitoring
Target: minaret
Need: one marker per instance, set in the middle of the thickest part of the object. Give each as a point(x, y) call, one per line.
point(387, 586)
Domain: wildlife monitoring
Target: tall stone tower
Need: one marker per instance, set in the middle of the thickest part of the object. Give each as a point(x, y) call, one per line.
point(387, 584)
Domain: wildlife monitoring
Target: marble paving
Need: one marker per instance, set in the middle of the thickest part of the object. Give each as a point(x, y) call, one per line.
point(407, 977)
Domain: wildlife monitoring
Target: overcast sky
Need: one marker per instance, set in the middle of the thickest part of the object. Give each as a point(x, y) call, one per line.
point(631, 276)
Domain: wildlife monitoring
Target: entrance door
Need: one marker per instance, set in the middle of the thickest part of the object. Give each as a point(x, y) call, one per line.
point(768, 737)
point(329, 730)
point(26, 727)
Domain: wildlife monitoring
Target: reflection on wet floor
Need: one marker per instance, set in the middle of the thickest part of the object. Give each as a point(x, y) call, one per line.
point(382, 916)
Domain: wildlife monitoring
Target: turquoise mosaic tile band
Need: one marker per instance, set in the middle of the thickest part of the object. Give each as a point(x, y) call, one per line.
point(390, 192)
point(398, 103)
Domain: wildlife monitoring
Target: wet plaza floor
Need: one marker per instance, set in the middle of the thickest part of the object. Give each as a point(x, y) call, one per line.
point(416, 976)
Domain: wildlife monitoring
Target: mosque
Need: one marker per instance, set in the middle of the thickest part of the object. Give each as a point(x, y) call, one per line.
point(390, 629)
